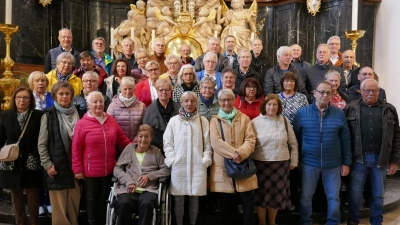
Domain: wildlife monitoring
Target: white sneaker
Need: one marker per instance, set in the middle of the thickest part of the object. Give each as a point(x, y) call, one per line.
point(49, 209)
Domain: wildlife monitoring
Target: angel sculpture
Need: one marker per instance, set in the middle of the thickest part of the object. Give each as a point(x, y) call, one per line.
point(203, 30)
point(238, 22)
point(165, 29)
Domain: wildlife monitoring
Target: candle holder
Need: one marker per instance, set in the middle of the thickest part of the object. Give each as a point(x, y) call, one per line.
point(8, 84)
point(354, 35)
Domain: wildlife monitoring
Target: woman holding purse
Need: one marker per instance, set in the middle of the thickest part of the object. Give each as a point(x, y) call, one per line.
point(25, 173)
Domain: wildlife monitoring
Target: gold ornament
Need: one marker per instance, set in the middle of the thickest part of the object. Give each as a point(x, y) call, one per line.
point(313, 6)
point(45, 2)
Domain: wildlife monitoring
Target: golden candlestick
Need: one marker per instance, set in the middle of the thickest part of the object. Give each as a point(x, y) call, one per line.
point(8, 84)
point(354, 35)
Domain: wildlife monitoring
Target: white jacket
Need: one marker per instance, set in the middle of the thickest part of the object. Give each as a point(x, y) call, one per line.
point(272, 140)
point(185, 155)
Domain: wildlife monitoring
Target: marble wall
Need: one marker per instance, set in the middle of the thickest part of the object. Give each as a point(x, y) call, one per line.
point(285, 24)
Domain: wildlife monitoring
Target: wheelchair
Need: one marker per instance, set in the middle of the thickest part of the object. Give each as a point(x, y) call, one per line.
point(162, 211)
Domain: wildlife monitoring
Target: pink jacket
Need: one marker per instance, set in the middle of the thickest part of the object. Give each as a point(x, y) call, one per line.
point(94, 146)
point(129, 119)
point(143, 93)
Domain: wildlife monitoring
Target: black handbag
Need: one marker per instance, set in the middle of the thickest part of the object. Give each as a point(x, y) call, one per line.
point(243, 170)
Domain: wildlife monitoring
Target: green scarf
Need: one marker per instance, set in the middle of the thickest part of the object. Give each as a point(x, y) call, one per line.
point(227, 116)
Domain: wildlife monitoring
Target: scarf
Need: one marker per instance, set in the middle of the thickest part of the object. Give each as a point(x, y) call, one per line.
point(22, 118)
point(338, 101)
point(207, 102)
point(186, 115)
point(127, 101)
point(188, 88)
point(67, 119)
point(227, 116)
point(165, 112)
point(63, 77)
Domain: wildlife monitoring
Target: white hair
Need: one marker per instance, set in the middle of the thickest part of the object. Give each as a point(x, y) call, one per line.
point(283, 49)
point(333, 37)
point(92, 94)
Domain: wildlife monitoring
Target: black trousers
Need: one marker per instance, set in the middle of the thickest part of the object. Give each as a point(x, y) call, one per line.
point(247, 200)
point(127, 204)
point(97, 190)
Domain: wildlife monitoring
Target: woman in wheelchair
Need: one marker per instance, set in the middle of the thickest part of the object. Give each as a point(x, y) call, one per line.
point(138, 169)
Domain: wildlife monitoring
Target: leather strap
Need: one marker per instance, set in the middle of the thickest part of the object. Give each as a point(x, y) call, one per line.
point(26, 124)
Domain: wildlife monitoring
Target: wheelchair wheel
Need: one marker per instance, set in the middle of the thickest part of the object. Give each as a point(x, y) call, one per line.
point(166, 207)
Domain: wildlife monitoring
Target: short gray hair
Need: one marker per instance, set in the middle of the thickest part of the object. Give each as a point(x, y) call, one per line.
point(35, 75)
point(162, 82)
point(65, 55)
point(66, 29)
point(333, 37)
point(324, 45)
point(226, 92)
point(149, 63)
point(179, 81)
point(171, 56)
point(91, 73)
point(210, 54)
point(141, 50)
point(243, 51)
point(207, 80)
point(127, 40)
point(283, 49)
point(127, 80)
point(369, 79)
point(100, 39)
point(188, 93)
point(332, 72)
point(92, 94)
point(214, 39)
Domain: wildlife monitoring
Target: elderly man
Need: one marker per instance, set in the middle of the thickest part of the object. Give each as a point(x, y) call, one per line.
point(259, 60)
point(349, 69)
point(230, 45)
point(185, 55)
point(244, 69)
point(273, 76)
point(65, 38)
point(323, 136)
point(334, 47)
point(316, 73)
point(90, 81)
point(214, 45)
point(158, 56)
point(354, 92)
point(100, 57)
point(127, 52)
point(297, 61)
point(87, 64)
point(65, 64)
point(375, 135)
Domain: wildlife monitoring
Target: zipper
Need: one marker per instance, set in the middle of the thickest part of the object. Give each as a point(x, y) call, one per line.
point(105, 147)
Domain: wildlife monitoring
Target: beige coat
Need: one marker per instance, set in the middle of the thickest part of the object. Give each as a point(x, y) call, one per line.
point(239, 137)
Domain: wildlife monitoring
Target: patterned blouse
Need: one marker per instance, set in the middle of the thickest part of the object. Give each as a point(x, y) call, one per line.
point(178, 91)
point(40, 103)
point(338, 101)
point(291, 104)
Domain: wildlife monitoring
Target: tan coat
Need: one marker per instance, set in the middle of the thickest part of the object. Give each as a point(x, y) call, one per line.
point(238, 138)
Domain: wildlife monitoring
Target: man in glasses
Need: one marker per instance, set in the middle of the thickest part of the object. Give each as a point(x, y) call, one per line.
point(354, 92)
point(324, 140)
point(375, 135)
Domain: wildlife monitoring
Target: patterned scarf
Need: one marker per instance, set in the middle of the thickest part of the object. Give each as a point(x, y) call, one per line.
point(22, 118)
point(63, 77)
point(67, 117)
point(185, 115)
point(127, 101)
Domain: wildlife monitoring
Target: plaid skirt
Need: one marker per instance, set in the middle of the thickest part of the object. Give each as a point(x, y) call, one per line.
point(273, 184)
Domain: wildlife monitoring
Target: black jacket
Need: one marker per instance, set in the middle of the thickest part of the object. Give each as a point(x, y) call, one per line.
point(354, 93)
point(260, 64)
point(240, 78)
point(60, 157)
point(223, 62)
point(301, 65)
point(390, 148)
point(272, 81)
point(354, 77)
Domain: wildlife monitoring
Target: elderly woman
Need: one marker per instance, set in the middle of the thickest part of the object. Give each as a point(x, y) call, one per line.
point(25, 173)
point(338, 99)
point(210, 61)
point(290, 98)
point(38, 83)
point(161, 111)
point(228, 78)
point(208, 103)
point(273, 159)
point(142, 57)
point(188, 153)
point(145, 90)
point(238, 144)
point(119, 69)
point(127, 109)
point(65, 64)
point(90, 81)
point(187, 81)
point(250, 97)
point(173, 64)
point(138, 185)
point(94, 154)
point(54, 144)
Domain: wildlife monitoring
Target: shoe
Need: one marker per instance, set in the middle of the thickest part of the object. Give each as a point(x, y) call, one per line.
point(49, 209)
point(42, 212)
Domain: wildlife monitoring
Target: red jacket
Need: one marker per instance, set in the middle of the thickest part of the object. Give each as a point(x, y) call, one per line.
point(142, 92)
point(251, 110)
point(98, 69)
point(94, 146)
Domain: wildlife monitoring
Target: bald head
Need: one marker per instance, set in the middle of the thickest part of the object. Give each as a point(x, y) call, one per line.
point(348, 59)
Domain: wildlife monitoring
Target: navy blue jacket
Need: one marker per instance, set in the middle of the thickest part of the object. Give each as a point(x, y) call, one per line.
point(323, 142)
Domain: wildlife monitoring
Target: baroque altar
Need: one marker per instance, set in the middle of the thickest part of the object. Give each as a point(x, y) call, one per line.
point(192, 22)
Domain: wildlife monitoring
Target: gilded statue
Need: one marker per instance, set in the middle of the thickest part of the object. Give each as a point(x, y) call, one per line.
point(165, 29)
point(154, 17)
point(238, 22)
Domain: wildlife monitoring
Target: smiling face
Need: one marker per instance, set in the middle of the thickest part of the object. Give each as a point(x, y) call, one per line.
point(207, 90)
point(127, 91)
point(87, 64)
point(65, 66)
point(164, 92)
point(296, 52)
point(289, 84)
point(90, 83)
point(98, 46)
point(285, 58)
point(144, 139)
point(323, 54)
point(153, 72)
point(348, 58)
point(65, 38)
point(121, 69)
point(334, 46)
point(226, 103)
point(185, 51)
point(334, 80)
point(271, 108)
point(96, 105)
point(142, 59)
point(228, 80)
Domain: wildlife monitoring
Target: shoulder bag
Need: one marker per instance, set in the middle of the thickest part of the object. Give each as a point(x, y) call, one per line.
point(287, 133)
point(10, 152)
point(243, 170)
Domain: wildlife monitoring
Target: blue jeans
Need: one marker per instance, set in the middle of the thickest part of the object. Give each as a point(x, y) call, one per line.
point(358, 174)
point(331, 181)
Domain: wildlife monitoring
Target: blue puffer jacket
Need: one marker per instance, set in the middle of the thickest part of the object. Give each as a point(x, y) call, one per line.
point(322, 142)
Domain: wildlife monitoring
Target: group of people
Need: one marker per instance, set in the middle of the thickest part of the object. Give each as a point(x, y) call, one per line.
point(142, 117)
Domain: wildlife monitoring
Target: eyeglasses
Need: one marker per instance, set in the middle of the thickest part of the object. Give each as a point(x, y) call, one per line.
point(209, 61)
point(328, 93)
point(366, 74)
point(251, 88)
point(152, 70)
point(188, 74)
point(374, 91)
point(24, 98)
point(183, 50)
point(164, 90)
point(208, 88)
point(65, 37)
point(226, 100)
point(173, 63)
point(99, 43)
point(89, 81)
point(66, 63)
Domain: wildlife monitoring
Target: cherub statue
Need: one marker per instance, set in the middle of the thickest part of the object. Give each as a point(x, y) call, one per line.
point(239, 22)
point(165, 29)
point(177, 5)
point(154, 17)
point(203, 30)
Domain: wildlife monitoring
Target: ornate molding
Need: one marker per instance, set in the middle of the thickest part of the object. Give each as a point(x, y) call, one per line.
point(45, 2)
point(281, 2)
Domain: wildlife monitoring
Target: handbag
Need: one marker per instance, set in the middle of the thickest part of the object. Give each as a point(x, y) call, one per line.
point(10, 152)
point(287, 133)
point(243, 170)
